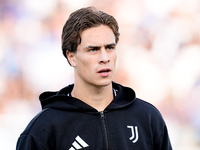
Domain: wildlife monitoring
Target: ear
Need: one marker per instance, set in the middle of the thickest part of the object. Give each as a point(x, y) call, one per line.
point(71, 58)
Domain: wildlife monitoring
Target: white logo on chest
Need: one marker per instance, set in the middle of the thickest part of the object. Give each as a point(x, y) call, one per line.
point(79, 143)
point(134, 133)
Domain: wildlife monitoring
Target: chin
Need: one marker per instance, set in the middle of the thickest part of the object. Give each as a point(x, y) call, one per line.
point(104, 83)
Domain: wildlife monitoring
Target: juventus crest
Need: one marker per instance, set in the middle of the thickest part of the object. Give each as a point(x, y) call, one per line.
point(134, 133)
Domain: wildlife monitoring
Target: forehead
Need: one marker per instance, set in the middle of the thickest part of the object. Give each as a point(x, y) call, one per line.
point(99, 35)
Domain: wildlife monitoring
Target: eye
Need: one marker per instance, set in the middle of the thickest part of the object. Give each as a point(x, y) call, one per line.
point(92, 50)
point(111, 47)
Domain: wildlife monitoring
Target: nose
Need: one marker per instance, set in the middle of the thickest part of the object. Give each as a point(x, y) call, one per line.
point(103, 57)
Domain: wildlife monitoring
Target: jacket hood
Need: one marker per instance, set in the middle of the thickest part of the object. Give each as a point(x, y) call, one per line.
point(62, 101)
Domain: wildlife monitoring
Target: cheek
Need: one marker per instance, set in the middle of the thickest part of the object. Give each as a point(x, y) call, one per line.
point(84, 66)
point(114, 58)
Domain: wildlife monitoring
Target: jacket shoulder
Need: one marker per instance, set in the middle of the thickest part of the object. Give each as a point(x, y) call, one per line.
point(158, 125)
point(33, 121)
point(146, 106)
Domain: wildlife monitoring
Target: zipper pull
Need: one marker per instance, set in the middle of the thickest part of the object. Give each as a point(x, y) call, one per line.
point(102, 114)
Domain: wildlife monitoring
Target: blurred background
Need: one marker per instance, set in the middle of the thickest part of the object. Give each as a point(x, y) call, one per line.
point(158, 56)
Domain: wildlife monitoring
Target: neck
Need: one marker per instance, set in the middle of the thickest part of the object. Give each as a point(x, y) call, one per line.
point(97, 97)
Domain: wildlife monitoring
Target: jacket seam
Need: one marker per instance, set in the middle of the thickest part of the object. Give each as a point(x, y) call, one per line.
point(36, 141)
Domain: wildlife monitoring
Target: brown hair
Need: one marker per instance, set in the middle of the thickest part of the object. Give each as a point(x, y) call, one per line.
point(81, 20)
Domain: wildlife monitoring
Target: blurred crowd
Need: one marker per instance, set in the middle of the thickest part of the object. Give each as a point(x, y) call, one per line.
point(158, 56)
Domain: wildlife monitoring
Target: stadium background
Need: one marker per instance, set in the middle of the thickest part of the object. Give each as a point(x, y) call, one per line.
point(159, 57)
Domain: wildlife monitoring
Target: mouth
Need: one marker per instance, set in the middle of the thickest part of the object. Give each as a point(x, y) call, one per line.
point(104, 72)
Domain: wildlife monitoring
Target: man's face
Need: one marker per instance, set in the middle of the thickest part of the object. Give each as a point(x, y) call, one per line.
point(95, 59)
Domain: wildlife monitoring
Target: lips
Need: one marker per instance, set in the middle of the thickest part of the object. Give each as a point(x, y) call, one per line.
point(104, 72)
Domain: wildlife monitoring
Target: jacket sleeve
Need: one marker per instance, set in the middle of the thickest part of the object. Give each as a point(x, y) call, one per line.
point(27, 142)
point(161, 140)
point(163, 143)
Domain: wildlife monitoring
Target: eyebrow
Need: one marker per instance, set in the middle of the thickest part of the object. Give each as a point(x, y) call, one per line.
point(98, 47)
point(112, 44)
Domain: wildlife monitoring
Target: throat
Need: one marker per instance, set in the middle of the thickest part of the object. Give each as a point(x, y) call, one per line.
point(98, 99)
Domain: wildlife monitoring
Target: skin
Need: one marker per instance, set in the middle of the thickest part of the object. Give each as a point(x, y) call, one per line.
point(94, 67)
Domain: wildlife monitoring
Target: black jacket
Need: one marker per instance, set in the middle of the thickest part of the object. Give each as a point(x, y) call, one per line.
point(66, 123)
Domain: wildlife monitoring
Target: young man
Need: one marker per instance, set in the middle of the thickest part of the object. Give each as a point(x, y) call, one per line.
point(94, 113)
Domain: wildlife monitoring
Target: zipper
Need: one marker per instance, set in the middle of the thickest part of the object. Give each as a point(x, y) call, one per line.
point(105, 133)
